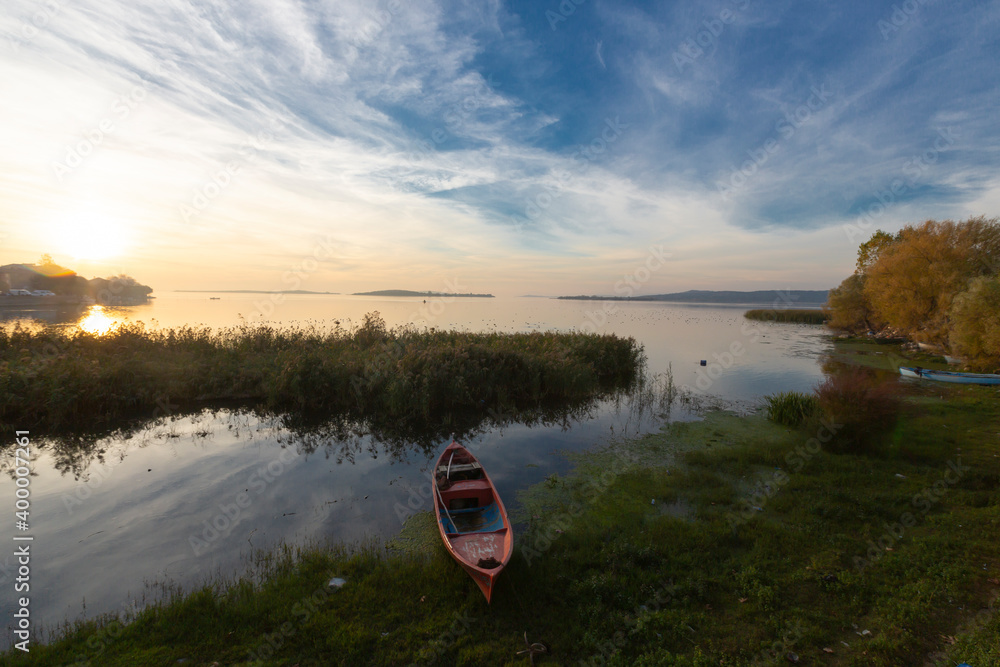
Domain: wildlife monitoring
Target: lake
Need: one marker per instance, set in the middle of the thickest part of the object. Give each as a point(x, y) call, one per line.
point(186, 497)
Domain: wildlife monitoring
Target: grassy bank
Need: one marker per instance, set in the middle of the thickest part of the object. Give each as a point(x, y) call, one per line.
point(57, 380)
point(881, 355)
point(794, 315)
point(729, 541)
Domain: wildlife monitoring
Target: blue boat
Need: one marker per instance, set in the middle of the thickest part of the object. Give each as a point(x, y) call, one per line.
point(950, 376)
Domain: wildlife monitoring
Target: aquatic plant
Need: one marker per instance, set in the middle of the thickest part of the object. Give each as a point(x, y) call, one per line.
point(790, 408)
point(792, 315)
point(63, 380)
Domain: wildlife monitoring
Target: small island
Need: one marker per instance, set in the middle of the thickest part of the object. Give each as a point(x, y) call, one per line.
point(406, 292)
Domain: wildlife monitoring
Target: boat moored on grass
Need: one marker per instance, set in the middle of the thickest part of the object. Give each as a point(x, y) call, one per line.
point(471, 517)
point(950, 376)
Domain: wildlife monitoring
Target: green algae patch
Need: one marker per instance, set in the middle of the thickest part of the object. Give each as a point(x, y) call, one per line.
point(419, 537)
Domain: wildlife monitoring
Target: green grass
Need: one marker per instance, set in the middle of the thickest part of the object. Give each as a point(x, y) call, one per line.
point(793, 315)
point(728, 541)
point(55, 380)
point(790, 408)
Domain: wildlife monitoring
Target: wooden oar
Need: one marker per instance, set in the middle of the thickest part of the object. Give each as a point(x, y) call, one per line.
point(444, 506)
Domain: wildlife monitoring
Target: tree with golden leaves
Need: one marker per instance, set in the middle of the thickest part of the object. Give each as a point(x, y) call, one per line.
point(913, 281)
point(870, 250)
point(975, 321)
point(849, 309)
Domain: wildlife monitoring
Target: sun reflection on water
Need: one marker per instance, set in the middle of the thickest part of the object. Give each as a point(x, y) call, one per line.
point(97, 321)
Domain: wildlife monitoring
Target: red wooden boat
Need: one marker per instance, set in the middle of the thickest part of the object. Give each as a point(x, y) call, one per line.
point(471, 517)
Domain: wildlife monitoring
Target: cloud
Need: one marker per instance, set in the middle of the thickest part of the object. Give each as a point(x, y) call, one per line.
point(430, 133)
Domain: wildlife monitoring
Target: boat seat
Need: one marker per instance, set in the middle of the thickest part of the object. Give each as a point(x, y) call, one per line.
point(469, 488)
point(469, 493)
point(467, 510)
point(460, 467)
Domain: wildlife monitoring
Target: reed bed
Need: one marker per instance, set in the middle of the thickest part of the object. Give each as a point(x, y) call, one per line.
point(63, 380)
point(792, 315)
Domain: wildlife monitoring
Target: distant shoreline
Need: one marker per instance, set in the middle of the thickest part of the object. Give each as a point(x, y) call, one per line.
point(249, 291)
point(774, 298)
point(410, 293)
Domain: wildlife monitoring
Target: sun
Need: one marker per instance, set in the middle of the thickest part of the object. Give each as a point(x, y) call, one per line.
point(91, 235)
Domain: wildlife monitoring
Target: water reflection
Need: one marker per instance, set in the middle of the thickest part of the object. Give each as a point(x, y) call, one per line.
point(155, 501)
point(96, 321)
point(36, 317)
point(348, 437)
point(883, 358)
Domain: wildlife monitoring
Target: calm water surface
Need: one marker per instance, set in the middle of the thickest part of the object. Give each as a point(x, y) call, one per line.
point(187, 497)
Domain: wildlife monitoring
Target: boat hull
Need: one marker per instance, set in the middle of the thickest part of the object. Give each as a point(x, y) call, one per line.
point(950, 376)
point(471, 518)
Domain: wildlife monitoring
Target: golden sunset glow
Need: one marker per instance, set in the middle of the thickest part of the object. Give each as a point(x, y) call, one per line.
point(97, 321)
point(90, 235)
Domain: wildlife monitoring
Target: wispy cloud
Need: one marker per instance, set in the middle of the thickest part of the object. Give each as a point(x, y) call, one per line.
point(424, 134)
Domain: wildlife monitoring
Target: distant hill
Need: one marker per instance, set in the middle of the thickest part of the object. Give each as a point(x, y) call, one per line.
point(406, 292)
point(758, 297)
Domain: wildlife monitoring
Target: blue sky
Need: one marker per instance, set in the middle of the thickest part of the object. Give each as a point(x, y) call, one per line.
point(509, 147)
